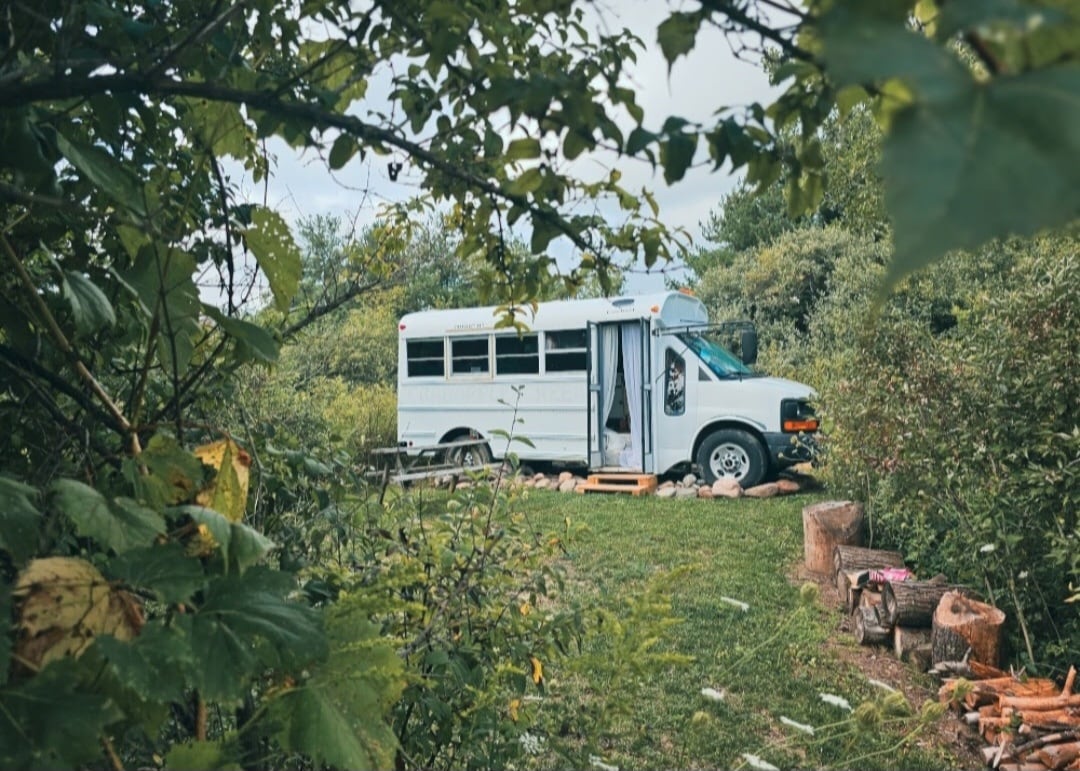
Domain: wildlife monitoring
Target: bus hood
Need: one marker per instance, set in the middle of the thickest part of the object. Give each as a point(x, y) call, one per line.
point(782, 388)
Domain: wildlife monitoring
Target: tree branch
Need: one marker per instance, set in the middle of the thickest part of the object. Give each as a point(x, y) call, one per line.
point(62, 343)
point(319, 311)
point(72, 88)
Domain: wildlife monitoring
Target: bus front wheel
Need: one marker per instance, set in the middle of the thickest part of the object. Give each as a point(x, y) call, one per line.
point(732, 453)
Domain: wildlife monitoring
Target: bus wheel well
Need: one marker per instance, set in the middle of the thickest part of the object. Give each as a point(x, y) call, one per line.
point(455, 434)
point(721, 424)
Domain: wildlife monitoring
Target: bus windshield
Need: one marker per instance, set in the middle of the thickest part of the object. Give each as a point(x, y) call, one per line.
point(721, 361)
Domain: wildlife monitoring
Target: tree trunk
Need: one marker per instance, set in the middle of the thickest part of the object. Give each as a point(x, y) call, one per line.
point(828, 524)
point(869, 628)
point(1059, 755)
point(912, 603)
point(961, 623)
point(846, 557)
point(906, 639)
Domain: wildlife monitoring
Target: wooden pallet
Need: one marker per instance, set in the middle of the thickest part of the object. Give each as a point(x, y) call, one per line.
point(635, 484)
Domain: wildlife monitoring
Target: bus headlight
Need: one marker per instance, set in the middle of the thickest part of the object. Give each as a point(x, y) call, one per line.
point(797, 415)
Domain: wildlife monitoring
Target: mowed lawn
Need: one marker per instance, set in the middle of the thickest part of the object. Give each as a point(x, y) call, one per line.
point(771, 661)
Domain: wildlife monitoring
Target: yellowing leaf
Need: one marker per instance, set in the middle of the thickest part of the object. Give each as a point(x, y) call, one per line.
point(515, 705)
point(537, 670)
point(525, 608)
point(63, 603)
point(227, 494)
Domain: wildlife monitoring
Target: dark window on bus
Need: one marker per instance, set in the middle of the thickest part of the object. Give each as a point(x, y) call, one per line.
point(564, 351)
point(517, 355)
point(469, 355)
point(425, 358)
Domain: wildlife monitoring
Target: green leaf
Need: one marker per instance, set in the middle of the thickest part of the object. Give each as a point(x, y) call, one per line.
point(46, 721)
point(216, 522)
point(998, 160)
point(344, 149)
point(157, 665)
point(526, 182)
point(575, 143)
point(120, 526)
point(19, 519)
point(542, 234)
point(861, 50)
point(521, 149)
point(270, 240)
point(676, 155)
point(638, 140)
point(676, 35)
point(90, 308)
point(165, 569)
point(247, 546)
point(210, 756)
point(245, 625)
point(163, 277)
point(254, 339)
point(105, 173)
point(317, 728)
point(339, 716)
point(174, 474)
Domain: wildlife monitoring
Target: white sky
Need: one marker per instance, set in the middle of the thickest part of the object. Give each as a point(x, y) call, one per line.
point(711, 77)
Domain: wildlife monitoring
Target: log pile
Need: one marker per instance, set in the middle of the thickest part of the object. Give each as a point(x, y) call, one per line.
point(1028, 724)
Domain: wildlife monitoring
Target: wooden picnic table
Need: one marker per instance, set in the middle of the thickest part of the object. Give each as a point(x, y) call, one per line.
point(428, 461)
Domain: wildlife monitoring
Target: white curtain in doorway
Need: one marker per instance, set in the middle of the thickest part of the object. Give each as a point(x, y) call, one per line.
point(631, 357)
point(609, 369)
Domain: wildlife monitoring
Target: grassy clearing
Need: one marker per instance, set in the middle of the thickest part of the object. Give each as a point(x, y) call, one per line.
point(771, 660)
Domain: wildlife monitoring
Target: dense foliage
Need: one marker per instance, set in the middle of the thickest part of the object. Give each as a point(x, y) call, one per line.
point(949, 408)
point(155, 519)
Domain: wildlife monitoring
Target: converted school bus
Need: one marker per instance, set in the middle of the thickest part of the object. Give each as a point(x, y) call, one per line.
point(627, 383)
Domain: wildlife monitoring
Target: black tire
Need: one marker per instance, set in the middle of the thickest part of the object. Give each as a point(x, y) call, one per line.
point(732, 452)
point(469, 457)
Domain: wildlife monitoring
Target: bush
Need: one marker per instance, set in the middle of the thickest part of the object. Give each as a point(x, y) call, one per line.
point(954, 415)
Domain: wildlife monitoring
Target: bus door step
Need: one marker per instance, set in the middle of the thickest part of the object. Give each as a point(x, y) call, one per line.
point(635, 484)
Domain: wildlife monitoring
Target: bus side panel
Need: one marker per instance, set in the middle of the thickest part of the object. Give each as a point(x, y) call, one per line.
point(550, 414)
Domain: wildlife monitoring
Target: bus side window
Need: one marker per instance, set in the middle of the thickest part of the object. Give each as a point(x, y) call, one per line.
point(469, 355)
point(564, 351)
point(674, 384)
point(425, 358)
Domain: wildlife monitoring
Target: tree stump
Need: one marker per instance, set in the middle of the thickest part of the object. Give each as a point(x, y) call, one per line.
point(869, 627)
point(828, 524)
point(912, 603)
point(961, 623)
point(907, 639)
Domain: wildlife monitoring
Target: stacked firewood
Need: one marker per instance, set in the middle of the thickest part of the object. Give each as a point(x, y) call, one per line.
point(1028, 723)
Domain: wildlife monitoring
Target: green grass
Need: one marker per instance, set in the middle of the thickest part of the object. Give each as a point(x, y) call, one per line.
point(772, 660)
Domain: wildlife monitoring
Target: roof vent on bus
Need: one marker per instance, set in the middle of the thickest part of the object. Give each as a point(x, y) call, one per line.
point(620, 302)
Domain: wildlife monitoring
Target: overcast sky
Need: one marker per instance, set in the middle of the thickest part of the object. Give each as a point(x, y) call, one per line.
point(710, 78)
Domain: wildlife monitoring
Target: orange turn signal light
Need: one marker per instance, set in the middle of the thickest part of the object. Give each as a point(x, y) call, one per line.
point(800, 425)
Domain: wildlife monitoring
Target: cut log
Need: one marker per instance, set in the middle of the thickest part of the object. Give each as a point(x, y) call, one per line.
point(870, 598)
point(961, 623)
point(1022, 766)
point(827, 525)
point(869, 628)
point(912, 603)
point(1034, 703)
point(1058, 756)
point(848, 588)
point(846, 557)
point(921, 658)
point(905, 639)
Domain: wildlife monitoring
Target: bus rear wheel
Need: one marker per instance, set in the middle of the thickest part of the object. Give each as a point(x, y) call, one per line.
point(732, 453)
point(469, 457)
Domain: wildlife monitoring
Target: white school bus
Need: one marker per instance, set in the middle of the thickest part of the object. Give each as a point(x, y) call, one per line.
point(628, 383)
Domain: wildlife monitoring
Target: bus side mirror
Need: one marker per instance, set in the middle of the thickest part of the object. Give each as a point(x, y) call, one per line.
point(748, 346)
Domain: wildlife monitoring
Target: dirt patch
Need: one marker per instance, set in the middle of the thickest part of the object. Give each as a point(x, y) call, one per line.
point(878, 663)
